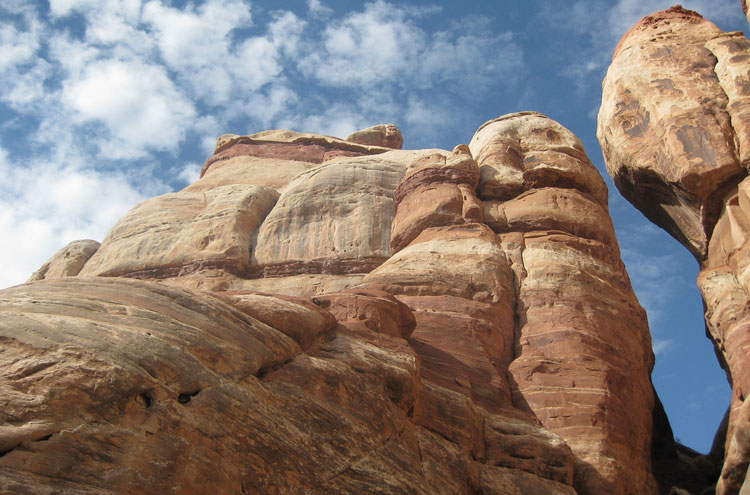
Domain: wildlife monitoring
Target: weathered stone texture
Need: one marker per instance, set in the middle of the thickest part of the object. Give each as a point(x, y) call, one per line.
point(336, 316)
point(68, 261)
point(184, 232)
point(674, 76)
point(385, 135)
point(675, 129)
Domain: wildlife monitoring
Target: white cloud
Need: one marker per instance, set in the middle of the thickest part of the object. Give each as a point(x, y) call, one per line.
point(257, 63)
point(44, 206)
point(266, 106)
point(426, 119)
point(138, 103)
point(316, 7)
point(285, 32)
point(195, 37)
point(16, 46)
point(378, 44)
point(383, 44)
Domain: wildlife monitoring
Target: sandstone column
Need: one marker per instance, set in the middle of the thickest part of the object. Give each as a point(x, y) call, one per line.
point(675, 129)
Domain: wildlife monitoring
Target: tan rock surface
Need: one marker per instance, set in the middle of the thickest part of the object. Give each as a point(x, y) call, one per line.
point(674, 125)
point(471, 328)
point(287, 145)
point(541, 193)
point(185, 232)
point(673, 139)
point(527, 150)
point(385, 135)
point(68, 261)
point(333, 219)
point(436, 190)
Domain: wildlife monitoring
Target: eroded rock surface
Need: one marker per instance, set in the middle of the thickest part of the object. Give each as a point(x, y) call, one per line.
point(68, 261)
point(385, 135)
point(675, 129)
point(317, 315)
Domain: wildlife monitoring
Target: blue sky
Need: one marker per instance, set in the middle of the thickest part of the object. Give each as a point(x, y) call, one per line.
point(104, 103)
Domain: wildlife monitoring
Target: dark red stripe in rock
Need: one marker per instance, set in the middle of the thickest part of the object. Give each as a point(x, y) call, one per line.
point(302, 151)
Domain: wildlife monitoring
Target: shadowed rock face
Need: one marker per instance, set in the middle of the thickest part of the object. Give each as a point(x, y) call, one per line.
point(675, 129)
point(317, 315)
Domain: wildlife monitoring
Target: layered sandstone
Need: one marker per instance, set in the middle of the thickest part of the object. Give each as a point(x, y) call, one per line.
point(675, 129)
point(317, 315)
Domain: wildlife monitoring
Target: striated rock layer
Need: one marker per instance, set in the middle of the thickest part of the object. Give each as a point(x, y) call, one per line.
point(317, 315)
point(675, 129)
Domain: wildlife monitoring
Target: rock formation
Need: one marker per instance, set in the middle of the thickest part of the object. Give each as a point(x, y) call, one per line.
point(675, 129)
point(317, 315)
point(68, 261)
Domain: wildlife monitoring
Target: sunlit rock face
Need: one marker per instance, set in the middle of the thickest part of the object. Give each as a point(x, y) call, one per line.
point(317, 315)
point(675, 129)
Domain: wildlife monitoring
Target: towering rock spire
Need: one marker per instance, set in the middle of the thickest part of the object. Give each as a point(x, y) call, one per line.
point(675, 129)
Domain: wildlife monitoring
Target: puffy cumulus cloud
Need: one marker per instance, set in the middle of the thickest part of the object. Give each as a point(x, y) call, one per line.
point(366, 48)
point(137, 103)
point(109, 23)
point(43, 206)
point(187, 174)
point(266, 106)
point(384, 44)
point(196, 36)
point(199, 45)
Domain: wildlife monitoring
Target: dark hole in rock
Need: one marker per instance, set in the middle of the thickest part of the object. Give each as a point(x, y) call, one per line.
point(185, 398)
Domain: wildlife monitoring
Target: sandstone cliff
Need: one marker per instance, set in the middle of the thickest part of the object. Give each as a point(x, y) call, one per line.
point(675, 129)
point(318, 315)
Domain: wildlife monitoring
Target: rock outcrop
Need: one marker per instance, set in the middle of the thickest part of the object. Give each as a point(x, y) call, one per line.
point(317, 315)
point(68, 261)
point(675, 129)
point(385, 135)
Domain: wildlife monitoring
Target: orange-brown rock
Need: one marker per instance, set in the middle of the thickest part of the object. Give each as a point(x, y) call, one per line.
point(544, 197)
point(375, 310)
point(527, 150)
point(436, 190)
point(330, 316)
point(675, 129)
point(673, 121)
